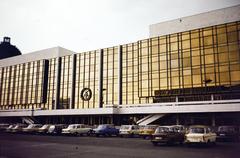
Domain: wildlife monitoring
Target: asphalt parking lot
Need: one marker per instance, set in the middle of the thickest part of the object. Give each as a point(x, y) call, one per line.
point(29, 146)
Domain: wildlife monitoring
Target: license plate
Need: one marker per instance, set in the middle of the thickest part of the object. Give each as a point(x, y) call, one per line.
point(158, 138)
point(222, 134)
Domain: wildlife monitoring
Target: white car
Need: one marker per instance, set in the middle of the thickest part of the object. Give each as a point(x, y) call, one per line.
point(200, 134)
point(31, 128)
point(81, 129)
point(70, 128)
point(129, 130)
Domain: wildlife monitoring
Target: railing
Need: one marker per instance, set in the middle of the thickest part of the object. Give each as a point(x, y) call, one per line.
point(183, 103)
point(233, 101)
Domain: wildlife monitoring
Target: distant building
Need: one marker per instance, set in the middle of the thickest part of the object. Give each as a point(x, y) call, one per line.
point(7, 50)
point(188, 72)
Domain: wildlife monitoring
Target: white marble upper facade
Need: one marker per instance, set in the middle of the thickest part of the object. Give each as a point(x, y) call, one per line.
point(216, 17)
point(37, 55)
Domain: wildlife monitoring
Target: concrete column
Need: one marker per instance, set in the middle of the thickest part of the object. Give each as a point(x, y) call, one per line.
point(120, 75)
point(213, 120)
point(212, 98)
point(100, 84)
point(58, 80)
point(72, 98)
point(177, 119)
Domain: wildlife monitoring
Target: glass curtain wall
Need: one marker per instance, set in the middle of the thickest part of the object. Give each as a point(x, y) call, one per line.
point(87, 76)
point(65, 82)
point(110, 76)
point(207, 57)
point(197, 62)
point(130, 71)
point(51, 89)
point(21, 86)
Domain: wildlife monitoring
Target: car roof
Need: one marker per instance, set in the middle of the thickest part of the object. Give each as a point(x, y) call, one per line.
point(227, 126)
point(199, 126)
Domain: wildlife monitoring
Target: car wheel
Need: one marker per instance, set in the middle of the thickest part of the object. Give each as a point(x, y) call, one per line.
point(131, 135)
point(209, 142)
point(214, 143)
point(154, 143)
point(89, 133)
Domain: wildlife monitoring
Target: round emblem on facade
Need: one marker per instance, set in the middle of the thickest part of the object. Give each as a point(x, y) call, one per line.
point(86, 94)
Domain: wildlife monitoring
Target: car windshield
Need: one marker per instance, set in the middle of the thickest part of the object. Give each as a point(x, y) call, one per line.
point(101, 126)
point(197, 130)
point(226, 129)
point(81, 126)
point(125, 127)
point(162, 130)
point(178, 128)
point(52, 126)
point(71, 126)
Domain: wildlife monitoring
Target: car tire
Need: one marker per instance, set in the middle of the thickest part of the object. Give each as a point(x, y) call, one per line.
point(209, 143)
point(89, 133)
point(214, 143)
point(154, 143)
point(131, 135)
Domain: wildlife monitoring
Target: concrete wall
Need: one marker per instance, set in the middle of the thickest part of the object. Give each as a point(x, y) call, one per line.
point(38, 55)
point(211, 18)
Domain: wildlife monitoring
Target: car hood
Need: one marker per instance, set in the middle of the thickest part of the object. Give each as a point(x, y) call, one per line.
point(66, 129)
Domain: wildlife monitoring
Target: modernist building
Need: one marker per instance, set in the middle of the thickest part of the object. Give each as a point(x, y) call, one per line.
point(187, 72)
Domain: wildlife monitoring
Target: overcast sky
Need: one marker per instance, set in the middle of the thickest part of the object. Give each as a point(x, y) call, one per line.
point(82, 25)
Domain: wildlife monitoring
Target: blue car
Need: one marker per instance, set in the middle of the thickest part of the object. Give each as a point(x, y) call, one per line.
point(106, 130)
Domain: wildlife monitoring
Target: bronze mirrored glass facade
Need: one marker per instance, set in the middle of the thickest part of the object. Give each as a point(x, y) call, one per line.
point(195, 65)
point(22, 86)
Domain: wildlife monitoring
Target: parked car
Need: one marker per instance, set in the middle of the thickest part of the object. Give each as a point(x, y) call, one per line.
point(179, 128)
point(70, 127)
point(81, 130)
point(167, 135)
point(18, 128)
point(147, 131)
point(31, 128)
point(43, 129)
point(228, 133)
point(129, 130)
point(200, 134)
point(56, 129)
point(105, 130)
point(3, 126)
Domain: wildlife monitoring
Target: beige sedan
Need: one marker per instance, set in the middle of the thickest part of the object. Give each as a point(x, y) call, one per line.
point(200, 134)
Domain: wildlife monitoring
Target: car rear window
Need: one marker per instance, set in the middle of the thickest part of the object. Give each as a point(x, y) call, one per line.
point(196, 130)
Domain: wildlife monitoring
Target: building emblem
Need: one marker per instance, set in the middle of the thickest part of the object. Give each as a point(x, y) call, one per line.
point(86, 94)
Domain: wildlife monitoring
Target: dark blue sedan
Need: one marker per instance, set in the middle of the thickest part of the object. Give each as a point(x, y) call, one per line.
point(106, 130)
